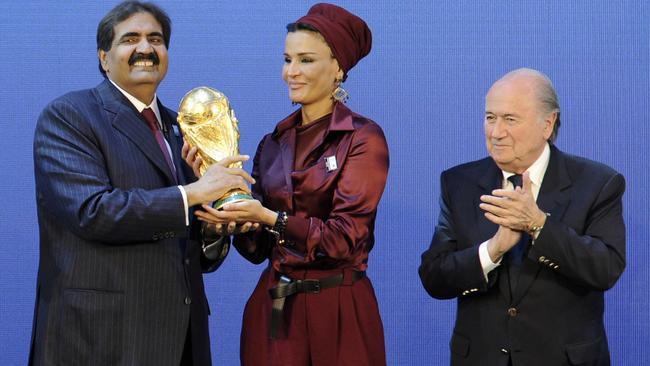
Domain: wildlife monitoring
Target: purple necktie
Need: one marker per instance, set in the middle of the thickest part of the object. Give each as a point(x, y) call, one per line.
point(152, 121)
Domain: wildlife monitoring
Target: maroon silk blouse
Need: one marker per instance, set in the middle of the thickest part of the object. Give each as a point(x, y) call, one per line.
point(331, 212)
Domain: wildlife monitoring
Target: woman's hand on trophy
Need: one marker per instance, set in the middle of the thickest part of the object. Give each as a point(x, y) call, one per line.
point(218, 180)
point(191, 157)
point(214, 230)
point(219, 227)
point(241, 212)
point(233, 228)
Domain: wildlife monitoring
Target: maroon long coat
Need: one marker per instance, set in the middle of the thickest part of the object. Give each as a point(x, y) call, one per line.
point(329, 231)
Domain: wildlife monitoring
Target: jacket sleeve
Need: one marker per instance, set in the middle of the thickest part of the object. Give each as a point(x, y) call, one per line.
point(354, 203)
point(595, 256)
point(447, 269)
point(72, 184)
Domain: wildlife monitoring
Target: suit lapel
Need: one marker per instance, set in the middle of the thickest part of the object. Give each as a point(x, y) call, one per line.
point(173, 140)
point(127, 121)
point(554, 195)
point(492, 179)
point(553, 198)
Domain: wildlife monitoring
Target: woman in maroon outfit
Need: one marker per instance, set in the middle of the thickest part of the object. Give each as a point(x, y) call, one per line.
point(319, 177)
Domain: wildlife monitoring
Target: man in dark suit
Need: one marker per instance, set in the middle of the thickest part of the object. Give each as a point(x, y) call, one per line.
point(529, 261)
point(120, 279)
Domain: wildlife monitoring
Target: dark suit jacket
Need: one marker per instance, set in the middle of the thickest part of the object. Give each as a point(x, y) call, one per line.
point(555, 314)
point(118, 275)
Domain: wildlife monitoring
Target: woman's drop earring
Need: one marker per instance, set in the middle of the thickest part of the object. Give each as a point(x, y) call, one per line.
point(339, 94)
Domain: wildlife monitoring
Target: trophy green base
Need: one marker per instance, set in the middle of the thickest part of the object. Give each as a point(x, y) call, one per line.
point(233, 196)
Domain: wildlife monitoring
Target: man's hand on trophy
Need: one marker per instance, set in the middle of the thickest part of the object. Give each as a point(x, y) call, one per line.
point(191, 157)
point(218, 180)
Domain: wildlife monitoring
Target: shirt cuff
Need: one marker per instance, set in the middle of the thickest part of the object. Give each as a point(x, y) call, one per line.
point(185, 205)
point(486, 261)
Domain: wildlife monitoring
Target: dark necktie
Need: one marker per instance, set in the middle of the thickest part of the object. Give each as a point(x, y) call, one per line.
point(516, 254)
point(516, 180)
point(152, 122)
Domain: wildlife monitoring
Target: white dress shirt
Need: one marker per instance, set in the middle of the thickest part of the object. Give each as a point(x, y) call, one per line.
point(154, 106)
point(536, 173)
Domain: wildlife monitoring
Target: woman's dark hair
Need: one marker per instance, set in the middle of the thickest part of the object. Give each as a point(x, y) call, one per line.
point(123, 11)
point(294, 27)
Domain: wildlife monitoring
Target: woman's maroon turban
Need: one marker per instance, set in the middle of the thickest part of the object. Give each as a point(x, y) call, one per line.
point(347, 35)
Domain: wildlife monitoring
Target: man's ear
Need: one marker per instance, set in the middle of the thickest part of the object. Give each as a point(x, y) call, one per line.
point(102, 55)
point(549, 124)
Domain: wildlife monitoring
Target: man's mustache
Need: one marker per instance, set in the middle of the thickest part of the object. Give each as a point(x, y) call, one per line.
point(137, 56)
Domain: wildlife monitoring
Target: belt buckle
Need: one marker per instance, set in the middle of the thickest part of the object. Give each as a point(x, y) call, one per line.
point(312, 285)
point(285, 280)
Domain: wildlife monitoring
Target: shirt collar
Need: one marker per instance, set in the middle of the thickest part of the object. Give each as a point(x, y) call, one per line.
point(138, 104)
point(341, 120)
point(537, 170)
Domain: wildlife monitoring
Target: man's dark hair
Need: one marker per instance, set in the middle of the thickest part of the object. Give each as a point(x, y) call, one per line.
point(123, 11)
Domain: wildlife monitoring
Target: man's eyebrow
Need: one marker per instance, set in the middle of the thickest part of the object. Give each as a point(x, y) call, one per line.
point(504, 115)
point(136, 34)
point(130, 34)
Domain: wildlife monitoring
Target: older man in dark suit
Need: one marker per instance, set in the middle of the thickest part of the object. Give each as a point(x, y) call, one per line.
point(119, 279)
point(528, 239)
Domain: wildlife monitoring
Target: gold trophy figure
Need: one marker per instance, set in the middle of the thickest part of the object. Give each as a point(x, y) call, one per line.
point(208, 122)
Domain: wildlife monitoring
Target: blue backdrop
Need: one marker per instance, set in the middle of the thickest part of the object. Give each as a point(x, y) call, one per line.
point(424, 82)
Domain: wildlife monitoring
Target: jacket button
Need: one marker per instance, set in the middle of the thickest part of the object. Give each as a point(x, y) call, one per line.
point(187, 261)
point(541, 259)
point(188, 300)
point(512, 312)
point(504, 351)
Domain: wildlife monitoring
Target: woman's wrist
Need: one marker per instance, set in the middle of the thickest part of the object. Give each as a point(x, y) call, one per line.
point(278, 227)
point(270, 217)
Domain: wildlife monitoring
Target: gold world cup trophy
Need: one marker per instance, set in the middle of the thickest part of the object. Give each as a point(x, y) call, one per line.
point(208, 123)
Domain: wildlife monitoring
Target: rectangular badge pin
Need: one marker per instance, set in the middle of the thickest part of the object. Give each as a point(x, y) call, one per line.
point(330, 163)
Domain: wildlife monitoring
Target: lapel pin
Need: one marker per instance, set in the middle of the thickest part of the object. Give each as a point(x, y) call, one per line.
point(330, 163)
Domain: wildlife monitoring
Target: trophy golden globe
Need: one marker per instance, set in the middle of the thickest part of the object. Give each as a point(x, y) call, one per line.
point(209, 124)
